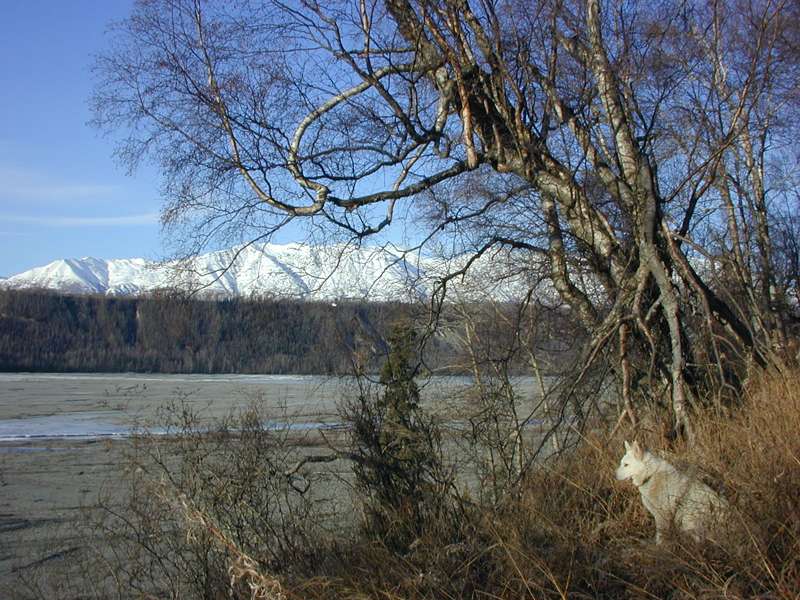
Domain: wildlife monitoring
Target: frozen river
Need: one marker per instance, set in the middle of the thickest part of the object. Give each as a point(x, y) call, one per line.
point(34, 406)
point(43, 405)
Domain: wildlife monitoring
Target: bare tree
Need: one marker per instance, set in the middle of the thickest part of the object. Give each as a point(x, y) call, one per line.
point(631, 146)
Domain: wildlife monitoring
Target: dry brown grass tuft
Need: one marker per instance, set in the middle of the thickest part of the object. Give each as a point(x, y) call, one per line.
point(579, 533)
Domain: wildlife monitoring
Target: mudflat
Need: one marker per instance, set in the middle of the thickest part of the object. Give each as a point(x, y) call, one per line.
point(63, 438)
point(44, 488)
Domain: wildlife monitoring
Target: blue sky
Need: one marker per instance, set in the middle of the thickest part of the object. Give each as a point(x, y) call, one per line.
point(61, 192)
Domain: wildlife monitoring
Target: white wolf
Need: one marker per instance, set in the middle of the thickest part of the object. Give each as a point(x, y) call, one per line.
point(672, 497)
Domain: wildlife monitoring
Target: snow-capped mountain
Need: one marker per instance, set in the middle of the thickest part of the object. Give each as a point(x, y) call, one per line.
point(287, 271)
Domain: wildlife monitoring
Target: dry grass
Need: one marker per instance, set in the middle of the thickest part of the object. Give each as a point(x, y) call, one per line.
point(575, 532)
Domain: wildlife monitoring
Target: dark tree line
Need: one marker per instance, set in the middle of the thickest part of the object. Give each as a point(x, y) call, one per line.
point(171, 333)
point(174, 334)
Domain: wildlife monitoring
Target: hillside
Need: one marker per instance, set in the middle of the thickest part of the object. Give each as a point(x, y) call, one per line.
point(173, 333)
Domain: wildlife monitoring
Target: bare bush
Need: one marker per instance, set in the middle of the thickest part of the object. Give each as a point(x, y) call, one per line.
point(207, 507)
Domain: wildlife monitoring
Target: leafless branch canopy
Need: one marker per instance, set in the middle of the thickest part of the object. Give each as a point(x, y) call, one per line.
point(648, 145)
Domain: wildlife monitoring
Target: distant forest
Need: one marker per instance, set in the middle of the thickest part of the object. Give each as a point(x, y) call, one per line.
point(169, 333)
point(175, 333)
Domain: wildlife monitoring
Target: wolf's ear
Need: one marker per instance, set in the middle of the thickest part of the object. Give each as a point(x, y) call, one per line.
point(627, 446)
point(638, 453)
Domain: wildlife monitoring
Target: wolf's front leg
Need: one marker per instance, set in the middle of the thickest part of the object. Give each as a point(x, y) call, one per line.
point(662, 525)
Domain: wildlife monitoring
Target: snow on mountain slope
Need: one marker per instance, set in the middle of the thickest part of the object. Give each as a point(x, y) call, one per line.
point(294, 271)
point(291, 271)
point(307, 272)
point(83, 276)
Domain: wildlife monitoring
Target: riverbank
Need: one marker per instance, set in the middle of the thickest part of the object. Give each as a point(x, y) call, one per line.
point(45, 487)
point(55, 492)
point(569, 530)
point(63, 441)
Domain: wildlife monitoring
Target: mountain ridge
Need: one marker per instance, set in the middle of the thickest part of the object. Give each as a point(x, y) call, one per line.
point(292, 271)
